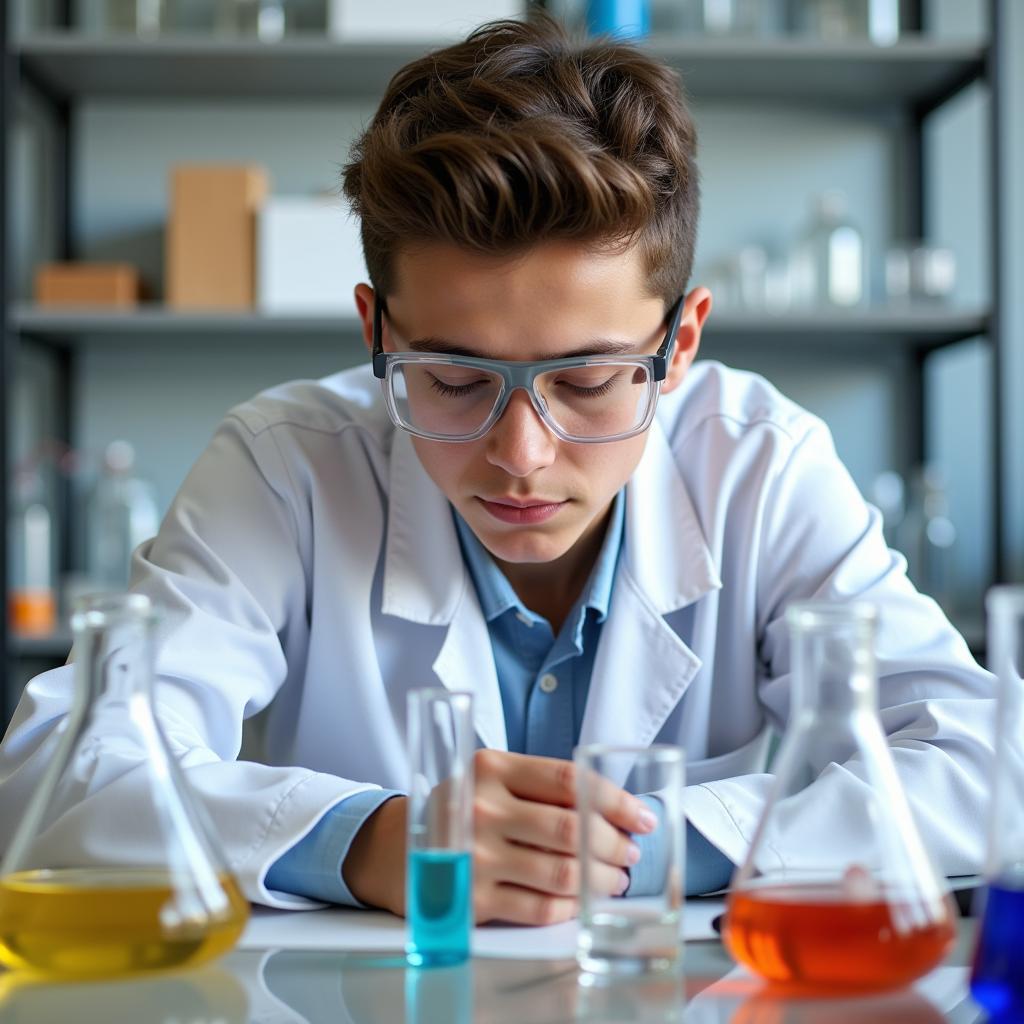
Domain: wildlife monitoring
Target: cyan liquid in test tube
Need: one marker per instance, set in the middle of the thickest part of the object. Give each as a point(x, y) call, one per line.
point(439, 872)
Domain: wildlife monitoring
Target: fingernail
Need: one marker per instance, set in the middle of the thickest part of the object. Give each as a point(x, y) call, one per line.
point(648, 821)
point(633, 854)
point(623, 884)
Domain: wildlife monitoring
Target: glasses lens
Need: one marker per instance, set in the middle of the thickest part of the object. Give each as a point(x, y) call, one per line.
point(599, 400)
point(442, 399)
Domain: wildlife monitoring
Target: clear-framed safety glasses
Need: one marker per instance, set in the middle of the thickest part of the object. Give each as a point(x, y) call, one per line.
point(584, 399)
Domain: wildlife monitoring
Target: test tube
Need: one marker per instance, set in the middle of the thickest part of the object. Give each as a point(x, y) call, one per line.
point(439, 872)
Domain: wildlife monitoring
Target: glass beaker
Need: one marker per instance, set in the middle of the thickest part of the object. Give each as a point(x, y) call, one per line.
point(641, 933)
point(809, 909)
point(439, 867)
point(997, 980)
point(94, 887)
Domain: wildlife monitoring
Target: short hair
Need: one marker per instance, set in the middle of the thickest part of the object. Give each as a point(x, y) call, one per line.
point(522, 134)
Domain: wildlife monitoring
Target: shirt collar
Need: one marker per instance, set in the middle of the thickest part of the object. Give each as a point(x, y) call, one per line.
point(495, 592)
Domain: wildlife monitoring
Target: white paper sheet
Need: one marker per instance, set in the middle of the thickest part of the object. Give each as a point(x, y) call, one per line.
point(366, 931)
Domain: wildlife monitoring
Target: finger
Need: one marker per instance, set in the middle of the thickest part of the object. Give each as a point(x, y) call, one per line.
point(623, 810)
point(555, 873)
point(558, 829)
point(551, 780)
point(517, 905)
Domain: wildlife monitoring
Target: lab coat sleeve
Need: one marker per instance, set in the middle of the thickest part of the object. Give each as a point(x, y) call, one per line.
point(227, 572)
point(820, 540)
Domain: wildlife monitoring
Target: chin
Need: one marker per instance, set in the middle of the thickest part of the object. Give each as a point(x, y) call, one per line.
point(525, 546)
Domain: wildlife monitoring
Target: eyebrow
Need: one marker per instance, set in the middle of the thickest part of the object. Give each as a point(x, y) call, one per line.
point(597, 347)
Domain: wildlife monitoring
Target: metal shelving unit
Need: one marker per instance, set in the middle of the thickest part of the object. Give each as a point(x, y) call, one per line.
point(917, 75)
point(911, 330)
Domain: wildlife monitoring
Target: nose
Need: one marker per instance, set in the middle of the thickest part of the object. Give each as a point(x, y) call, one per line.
point(520, 442)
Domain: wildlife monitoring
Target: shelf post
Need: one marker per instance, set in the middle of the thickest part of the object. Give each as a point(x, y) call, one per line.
point(1005, 80)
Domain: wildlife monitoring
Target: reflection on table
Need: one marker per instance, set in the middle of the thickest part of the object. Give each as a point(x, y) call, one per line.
point(317, 987)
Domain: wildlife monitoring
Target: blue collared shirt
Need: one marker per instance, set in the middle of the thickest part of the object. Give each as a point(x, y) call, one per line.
point(544, 680)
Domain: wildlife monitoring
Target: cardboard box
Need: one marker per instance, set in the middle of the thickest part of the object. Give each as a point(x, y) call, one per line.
point(211, 236)
point(438, 21)
point(87, 284)
point(310, 256)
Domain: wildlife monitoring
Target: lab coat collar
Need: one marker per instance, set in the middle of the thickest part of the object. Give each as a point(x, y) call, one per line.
point(666, 552)
point(643, 667)
point(425, 576)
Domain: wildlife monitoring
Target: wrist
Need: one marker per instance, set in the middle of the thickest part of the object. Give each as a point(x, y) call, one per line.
point(374, 869)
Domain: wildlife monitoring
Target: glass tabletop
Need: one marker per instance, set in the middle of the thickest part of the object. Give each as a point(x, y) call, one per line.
point(310, 987)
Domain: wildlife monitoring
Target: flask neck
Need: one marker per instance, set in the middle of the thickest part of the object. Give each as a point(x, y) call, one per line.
point(834, 671)
point(114, 655)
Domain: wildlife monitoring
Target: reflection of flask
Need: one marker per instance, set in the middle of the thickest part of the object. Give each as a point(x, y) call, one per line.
point(828, 266)
point(806, 910)
point(86, 888)
point(927, 537)
point(888, 494)
point(122, 514)
point(32, 599)
point(997, 981)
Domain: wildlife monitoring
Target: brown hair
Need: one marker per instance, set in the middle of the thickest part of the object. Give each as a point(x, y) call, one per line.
point(521, 134)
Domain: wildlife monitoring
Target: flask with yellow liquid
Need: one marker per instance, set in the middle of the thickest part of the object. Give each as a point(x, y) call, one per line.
point(100, 887)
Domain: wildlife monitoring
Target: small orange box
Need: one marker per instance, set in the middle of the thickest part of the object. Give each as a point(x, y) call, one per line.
point(211, 235)
point(87, 284)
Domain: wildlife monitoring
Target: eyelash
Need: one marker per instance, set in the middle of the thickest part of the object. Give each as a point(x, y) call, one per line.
point(462, 390)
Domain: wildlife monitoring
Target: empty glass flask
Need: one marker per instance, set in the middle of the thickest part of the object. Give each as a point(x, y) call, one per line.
point(997, 980)
point(809, 908)
point(93, 885)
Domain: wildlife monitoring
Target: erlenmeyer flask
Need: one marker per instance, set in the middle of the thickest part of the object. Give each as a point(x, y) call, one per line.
point(100, 887)
point(997, 980)
point(809, 909)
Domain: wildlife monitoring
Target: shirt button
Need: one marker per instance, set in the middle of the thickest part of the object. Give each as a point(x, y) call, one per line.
point(549, 683)
point(524, 619)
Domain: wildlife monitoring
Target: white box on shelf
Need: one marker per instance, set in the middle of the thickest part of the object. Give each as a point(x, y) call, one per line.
point(391, 20)
point(310, 256)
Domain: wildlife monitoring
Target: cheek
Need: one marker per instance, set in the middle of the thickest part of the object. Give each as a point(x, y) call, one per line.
point(446, 464)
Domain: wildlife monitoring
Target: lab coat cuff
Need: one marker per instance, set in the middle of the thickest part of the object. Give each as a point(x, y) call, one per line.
point(313, 866)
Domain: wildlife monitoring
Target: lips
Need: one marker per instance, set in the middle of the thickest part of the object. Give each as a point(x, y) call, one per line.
point(521, 511)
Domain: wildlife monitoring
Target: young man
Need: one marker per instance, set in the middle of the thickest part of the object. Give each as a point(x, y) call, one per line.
point(533, 494)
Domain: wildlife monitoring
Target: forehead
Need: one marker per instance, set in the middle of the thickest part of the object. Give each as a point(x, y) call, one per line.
point(533, 305)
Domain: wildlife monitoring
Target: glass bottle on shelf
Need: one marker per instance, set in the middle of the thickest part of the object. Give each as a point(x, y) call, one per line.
point(121, 514)
point(997, 978)
point(840, 20)
point(141, 17)
point(715, 17)
point(805, 910)
point(268, 20)
point(828, 266)
point(95, 888)
point(32, 597)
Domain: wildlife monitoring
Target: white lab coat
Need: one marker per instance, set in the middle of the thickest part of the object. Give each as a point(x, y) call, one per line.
point(309, 561)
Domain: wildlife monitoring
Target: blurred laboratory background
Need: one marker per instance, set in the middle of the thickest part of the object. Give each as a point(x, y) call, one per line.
point(174, 240)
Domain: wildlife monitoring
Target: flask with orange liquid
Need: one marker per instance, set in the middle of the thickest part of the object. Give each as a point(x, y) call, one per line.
point(93, 888)
point(806, 910)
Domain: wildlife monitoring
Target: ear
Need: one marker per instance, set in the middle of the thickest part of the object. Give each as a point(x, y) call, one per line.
point(364, 307)
point(696, 307)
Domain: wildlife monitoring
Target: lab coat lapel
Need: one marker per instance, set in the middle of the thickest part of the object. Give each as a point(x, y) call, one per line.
point(426, 581)
point(642, 667)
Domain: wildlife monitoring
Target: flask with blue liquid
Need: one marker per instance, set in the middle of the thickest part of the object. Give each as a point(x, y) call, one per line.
point(439, 872)
point(997, 979)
